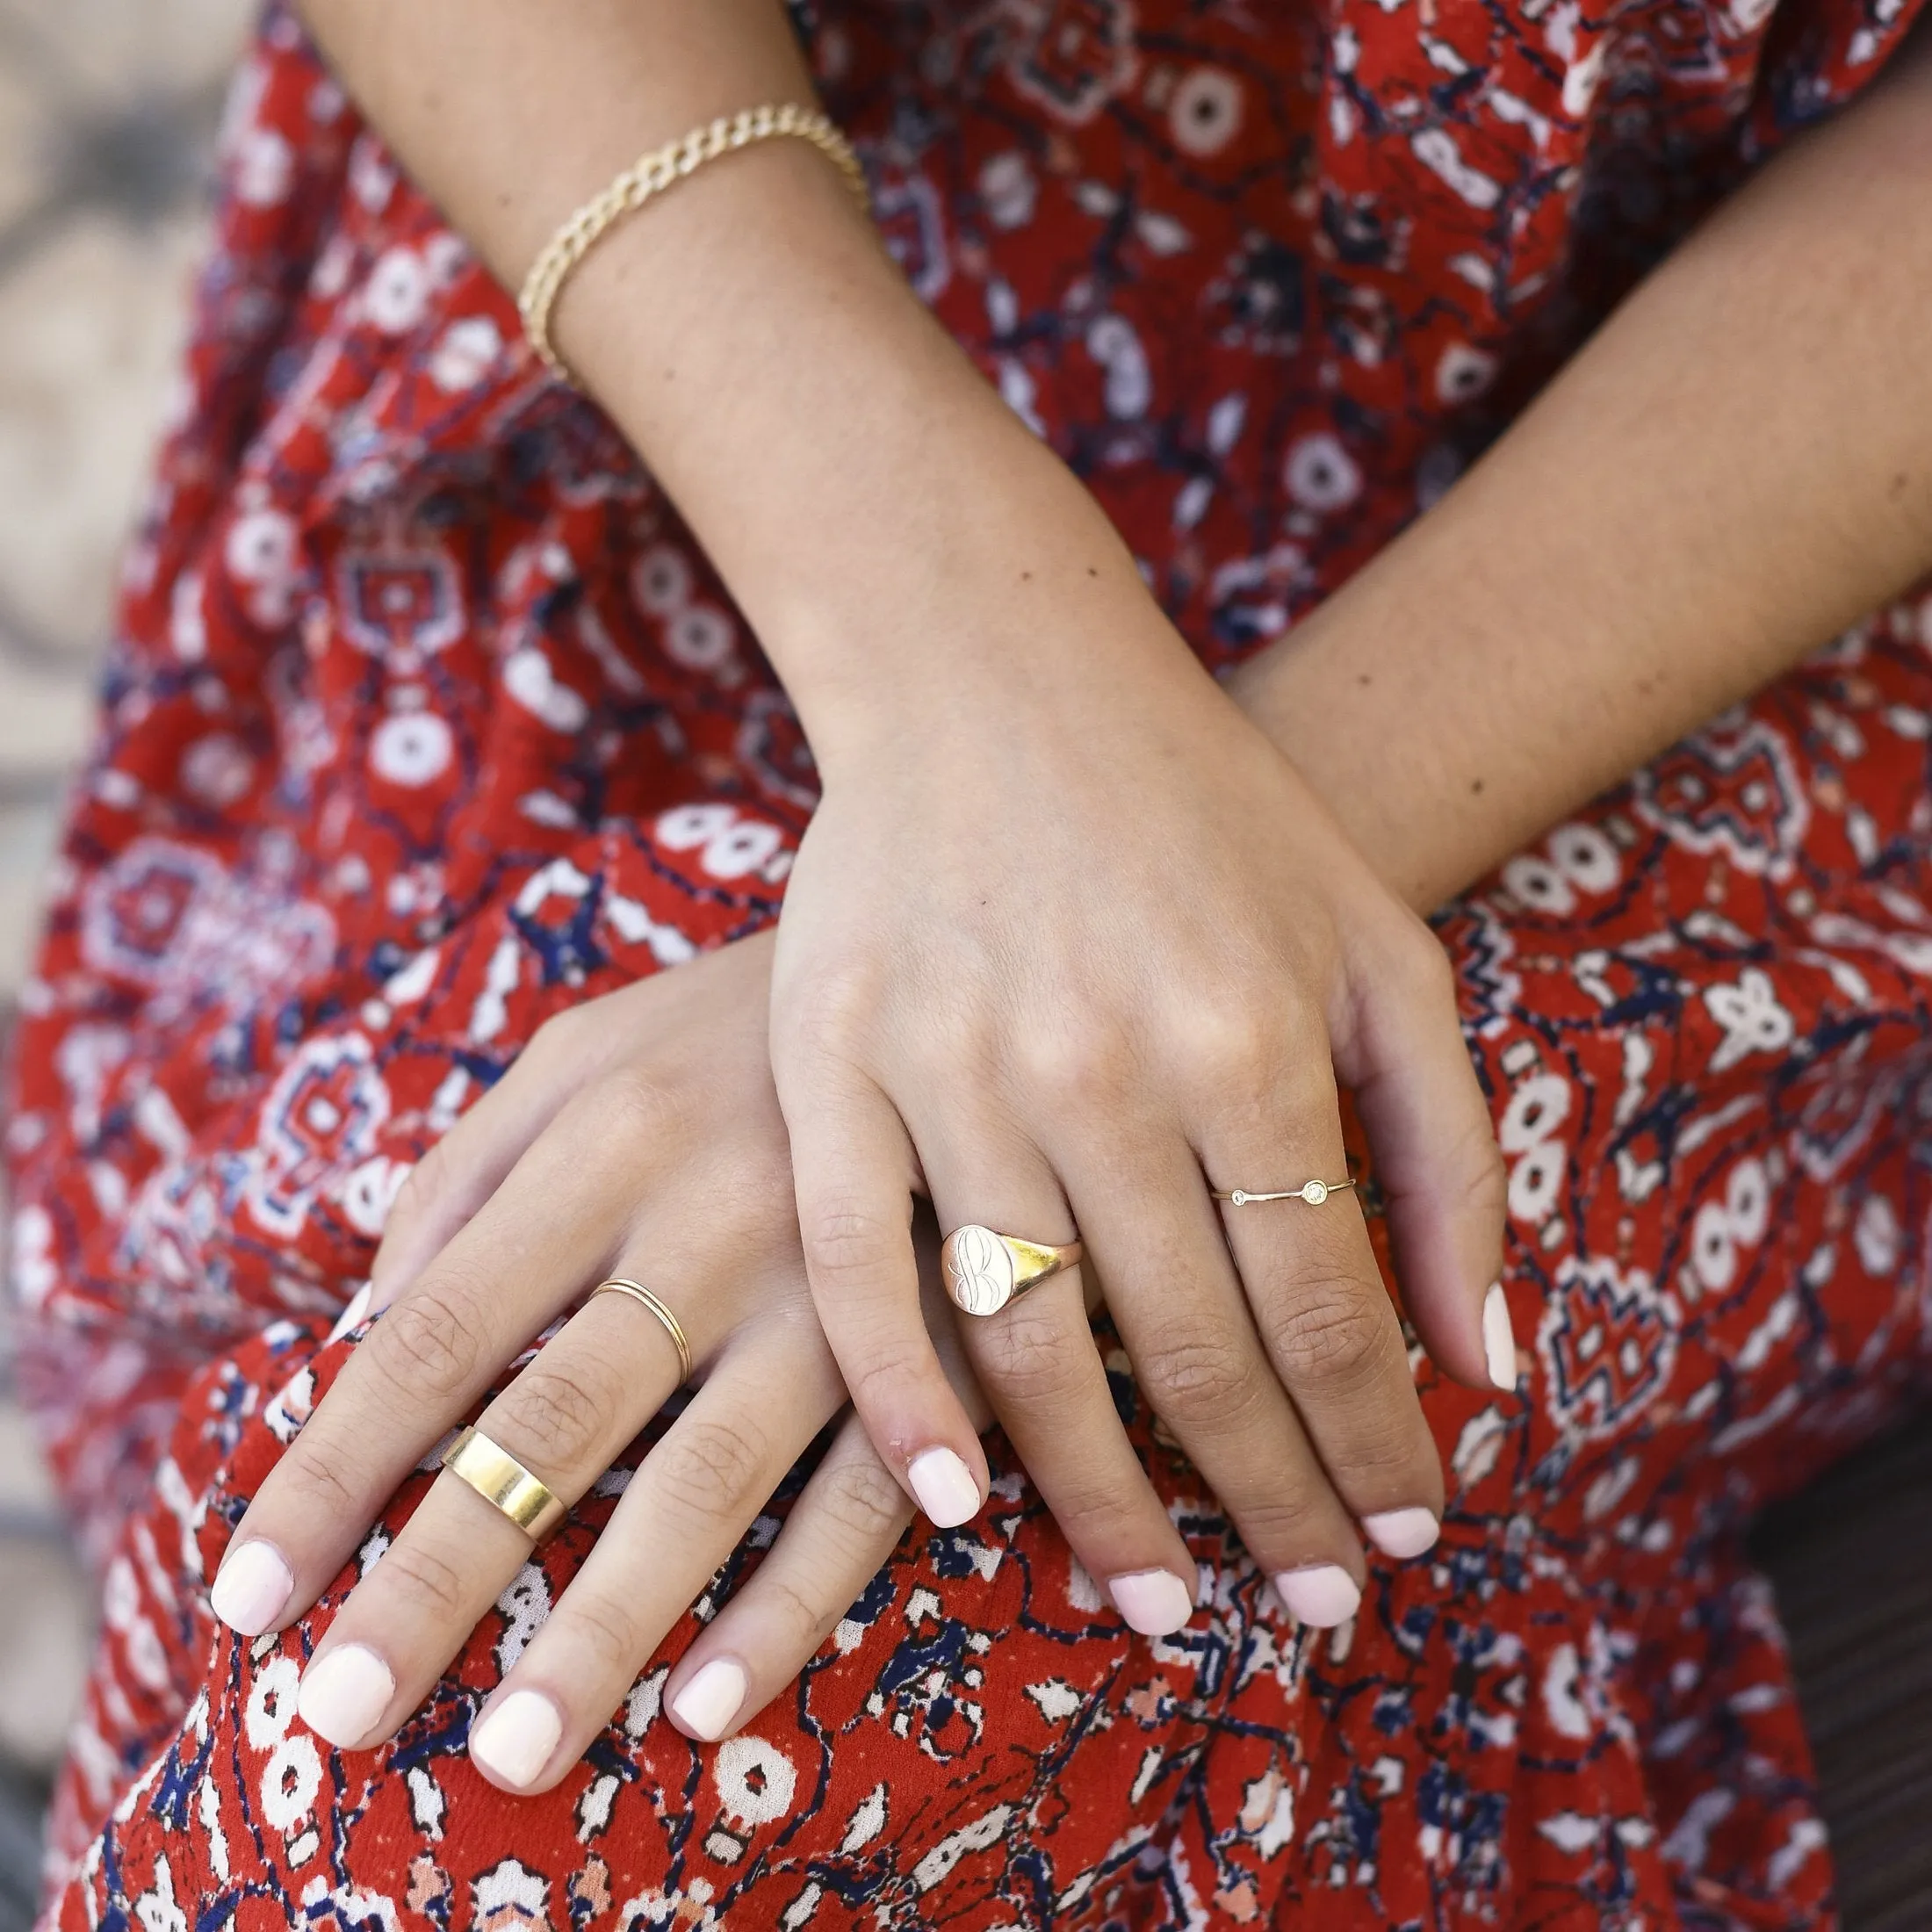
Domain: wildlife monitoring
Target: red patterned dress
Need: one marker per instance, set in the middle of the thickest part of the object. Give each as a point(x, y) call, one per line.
point(426, 718)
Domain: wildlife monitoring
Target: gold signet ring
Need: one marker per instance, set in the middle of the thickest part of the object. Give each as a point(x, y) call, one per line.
point(985, 1270)
point(504, 1483)
point(1314, 1192)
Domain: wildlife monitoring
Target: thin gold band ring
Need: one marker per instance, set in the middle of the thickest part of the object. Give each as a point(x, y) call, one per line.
point(505, 1484)
point(618, 1285)
point(1314, 1192)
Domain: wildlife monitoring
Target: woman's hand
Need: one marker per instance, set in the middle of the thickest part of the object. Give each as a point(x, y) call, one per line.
point(637, 1136)
point(1067, 944)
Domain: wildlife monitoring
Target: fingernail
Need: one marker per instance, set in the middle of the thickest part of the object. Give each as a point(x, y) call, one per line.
point(343, 1694)
point(353, 1316)
point(707, 1705)
point(944, 1486)
point(1321, 1595)
point(515, 1737)
point(252, 1588)
point(1499, 1339)
point(1402, 1532)
point(1155, 1602)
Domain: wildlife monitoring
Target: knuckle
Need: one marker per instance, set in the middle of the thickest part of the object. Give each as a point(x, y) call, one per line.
point(315, 1486)
point(603, 1628)
point(425, 1580)
point(863, 1502)
point(845, 1241)
point(559, 1413)
point(1423, 967)
point(825, 1022)
point(806, 1615)
point(634, 1106)
point(1196, 1377)
point(1325, 1327)
point(1301, 1517)
point(1231, 1043)
point(708, 1469)
point(1483, 1181)
point(427, 1346)
point(1026, 1358)
point(1402, 959)
point(1078, 1065)
point(890, 1368)
point(560, 1035)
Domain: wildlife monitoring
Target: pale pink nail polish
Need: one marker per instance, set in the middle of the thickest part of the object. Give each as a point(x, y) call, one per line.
point(1321, 1596)
point(252, 1588)
point(343, 1694)
point(944, 1487)
point(515, 1738)
point(1155, 1602)
point(1499, 1339)
point(1402, 1532)
point(706, 1705)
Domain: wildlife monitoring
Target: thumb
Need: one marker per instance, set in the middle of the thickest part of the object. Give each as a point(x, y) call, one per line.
point(1436, 1157)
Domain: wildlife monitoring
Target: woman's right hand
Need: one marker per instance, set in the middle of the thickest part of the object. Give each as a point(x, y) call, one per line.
point(638, 1135)
point(1070, 949)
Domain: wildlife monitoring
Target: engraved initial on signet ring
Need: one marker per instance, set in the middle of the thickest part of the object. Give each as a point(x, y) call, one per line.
point(985, 1270)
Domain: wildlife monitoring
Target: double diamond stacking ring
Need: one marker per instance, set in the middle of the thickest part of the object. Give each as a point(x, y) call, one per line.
point(505, 1484)
point(636, 1292)
point(502, 1481)
point(1314, 1192)
point(985, 1270)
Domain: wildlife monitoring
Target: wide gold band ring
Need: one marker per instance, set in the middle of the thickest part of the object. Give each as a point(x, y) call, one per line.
point(504, 1482)
point(1314, 1192)
point(985, 1270)
point(643, 1296)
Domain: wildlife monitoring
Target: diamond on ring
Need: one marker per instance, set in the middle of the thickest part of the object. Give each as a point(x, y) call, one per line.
point(1314, 1192)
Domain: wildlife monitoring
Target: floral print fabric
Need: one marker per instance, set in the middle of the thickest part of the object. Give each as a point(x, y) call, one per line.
point(427, 718)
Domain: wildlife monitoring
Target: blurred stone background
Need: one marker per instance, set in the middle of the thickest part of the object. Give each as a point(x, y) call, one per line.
point(108, 110)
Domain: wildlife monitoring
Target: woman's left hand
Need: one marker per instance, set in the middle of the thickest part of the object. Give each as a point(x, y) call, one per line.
point(638, 1135)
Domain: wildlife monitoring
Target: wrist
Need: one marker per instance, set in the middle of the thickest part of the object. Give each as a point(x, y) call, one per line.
point(1014, 611)
point(902, 545)
point(764, 356)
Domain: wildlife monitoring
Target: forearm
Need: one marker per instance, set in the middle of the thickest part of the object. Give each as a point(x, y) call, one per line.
point(746, 331)
point(1737, 467)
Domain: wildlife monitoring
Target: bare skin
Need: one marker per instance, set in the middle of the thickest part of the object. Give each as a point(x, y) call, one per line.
point(1751, 423)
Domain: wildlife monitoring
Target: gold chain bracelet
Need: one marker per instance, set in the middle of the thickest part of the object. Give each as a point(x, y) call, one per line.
point(651, 176)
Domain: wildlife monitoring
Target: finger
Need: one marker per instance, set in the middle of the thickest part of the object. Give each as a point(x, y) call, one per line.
point(521, 1259)
point(684, 1510)
point(1171, 1289)
point(585, 1395)
point(458, 1174)
point(1319, 1302)
point(840, 1534)
point(855, 1171)
point(1038, 1363)
point(1437, 1162)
